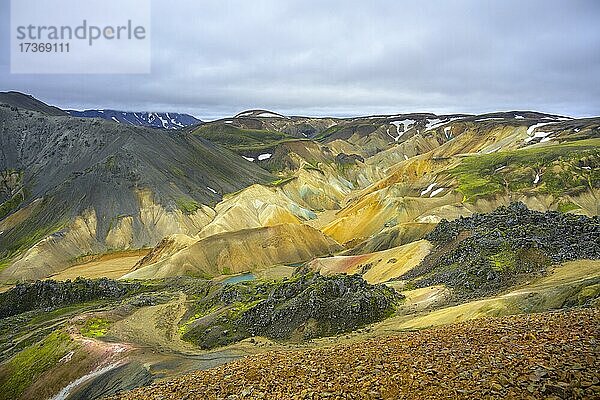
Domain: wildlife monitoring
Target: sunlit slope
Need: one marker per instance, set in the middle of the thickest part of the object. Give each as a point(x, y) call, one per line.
point(242, 251)
point(253, 207)
point(375, 267)
point(464, 176)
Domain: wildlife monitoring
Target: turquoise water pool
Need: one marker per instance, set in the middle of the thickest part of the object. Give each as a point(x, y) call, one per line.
point(240, 278)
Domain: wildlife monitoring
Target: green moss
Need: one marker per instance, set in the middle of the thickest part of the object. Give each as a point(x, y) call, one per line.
point(187, 205)
point(49, 316)
point(589, 293)
point(239, 308)
point(504, 261)
point(328, 132)
point(565, 207)
point(472, 187)
point(4, 263)
point(484, 175)
point(282, 181)
point(111, 162)
point(26, 366)
point(240, 139)
point(11, 204)
point(95, 327)
point(558, 182)
point(310, 167)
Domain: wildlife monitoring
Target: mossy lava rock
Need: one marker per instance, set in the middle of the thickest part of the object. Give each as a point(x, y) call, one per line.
point(307, 306)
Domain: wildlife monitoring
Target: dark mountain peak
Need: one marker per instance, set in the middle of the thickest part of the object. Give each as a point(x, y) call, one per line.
point(165, 120)
point(28, 102)
point(66, 168)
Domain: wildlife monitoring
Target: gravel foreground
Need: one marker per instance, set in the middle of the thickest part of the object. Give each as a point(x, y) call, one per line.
point(547, 355)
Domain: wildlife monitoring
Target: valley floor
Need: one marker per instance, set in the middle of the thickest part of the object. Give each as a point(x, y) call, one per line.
point(545, 355)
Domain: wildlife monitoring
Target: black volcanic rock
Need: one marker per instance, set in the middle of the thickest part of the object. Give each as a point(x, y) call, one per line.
point(486, 253)
point(343, 158)
point(304, 307)
point(51, 294)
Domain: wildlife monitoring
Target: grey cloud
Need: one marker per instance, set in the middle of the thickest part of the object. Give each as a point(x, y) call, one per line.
point(215, 58)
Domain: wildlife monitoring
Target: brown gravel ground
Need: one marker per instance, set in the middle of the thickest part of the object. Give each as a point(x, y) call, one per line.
point(547, 355)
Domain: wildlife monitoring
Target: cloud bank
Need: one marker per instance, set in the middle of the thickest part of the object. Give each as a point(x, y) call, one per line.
point(216, 58)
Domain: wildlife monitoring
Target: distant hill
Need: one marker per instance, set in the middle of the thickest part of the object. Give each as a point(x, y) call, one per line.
point(22, 100)
point(149, 119)
point(71, 186)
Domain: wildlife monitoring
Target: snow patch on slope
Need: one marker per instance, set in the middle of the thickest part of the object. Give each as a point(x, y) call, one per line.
point(425, 191)
point(436, 191)
point(405, 123)
point(269, 115)
point(538, 134)
point(448, 132)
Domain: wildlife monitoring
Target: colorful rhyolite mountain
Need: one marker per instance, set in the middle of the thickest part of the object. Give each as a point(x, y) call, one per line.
point(262, 231)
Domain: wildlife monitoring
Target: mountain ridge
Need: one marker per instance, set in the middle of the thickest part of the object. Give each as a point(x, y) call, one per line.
point(98, 177)
point(28, 102)
point(165, 120)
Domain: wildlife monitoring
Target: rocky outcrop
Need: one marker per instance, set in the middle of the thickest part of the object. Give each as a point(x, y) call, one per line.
point(343, 158)
point(487, 253)
point(51, 294)
point(305, 307)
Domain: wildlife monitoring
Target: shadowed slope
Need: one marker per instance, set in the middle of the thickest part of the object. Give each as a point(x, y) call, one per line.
point(102, 186)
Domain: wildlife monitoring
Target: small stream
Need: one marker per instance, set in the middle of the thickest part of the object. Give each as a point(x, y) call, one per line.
point(64, 393)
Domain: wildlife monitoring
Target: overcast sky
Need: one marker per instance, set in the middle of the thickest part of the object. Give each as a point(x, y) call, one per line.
point(353, 57)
